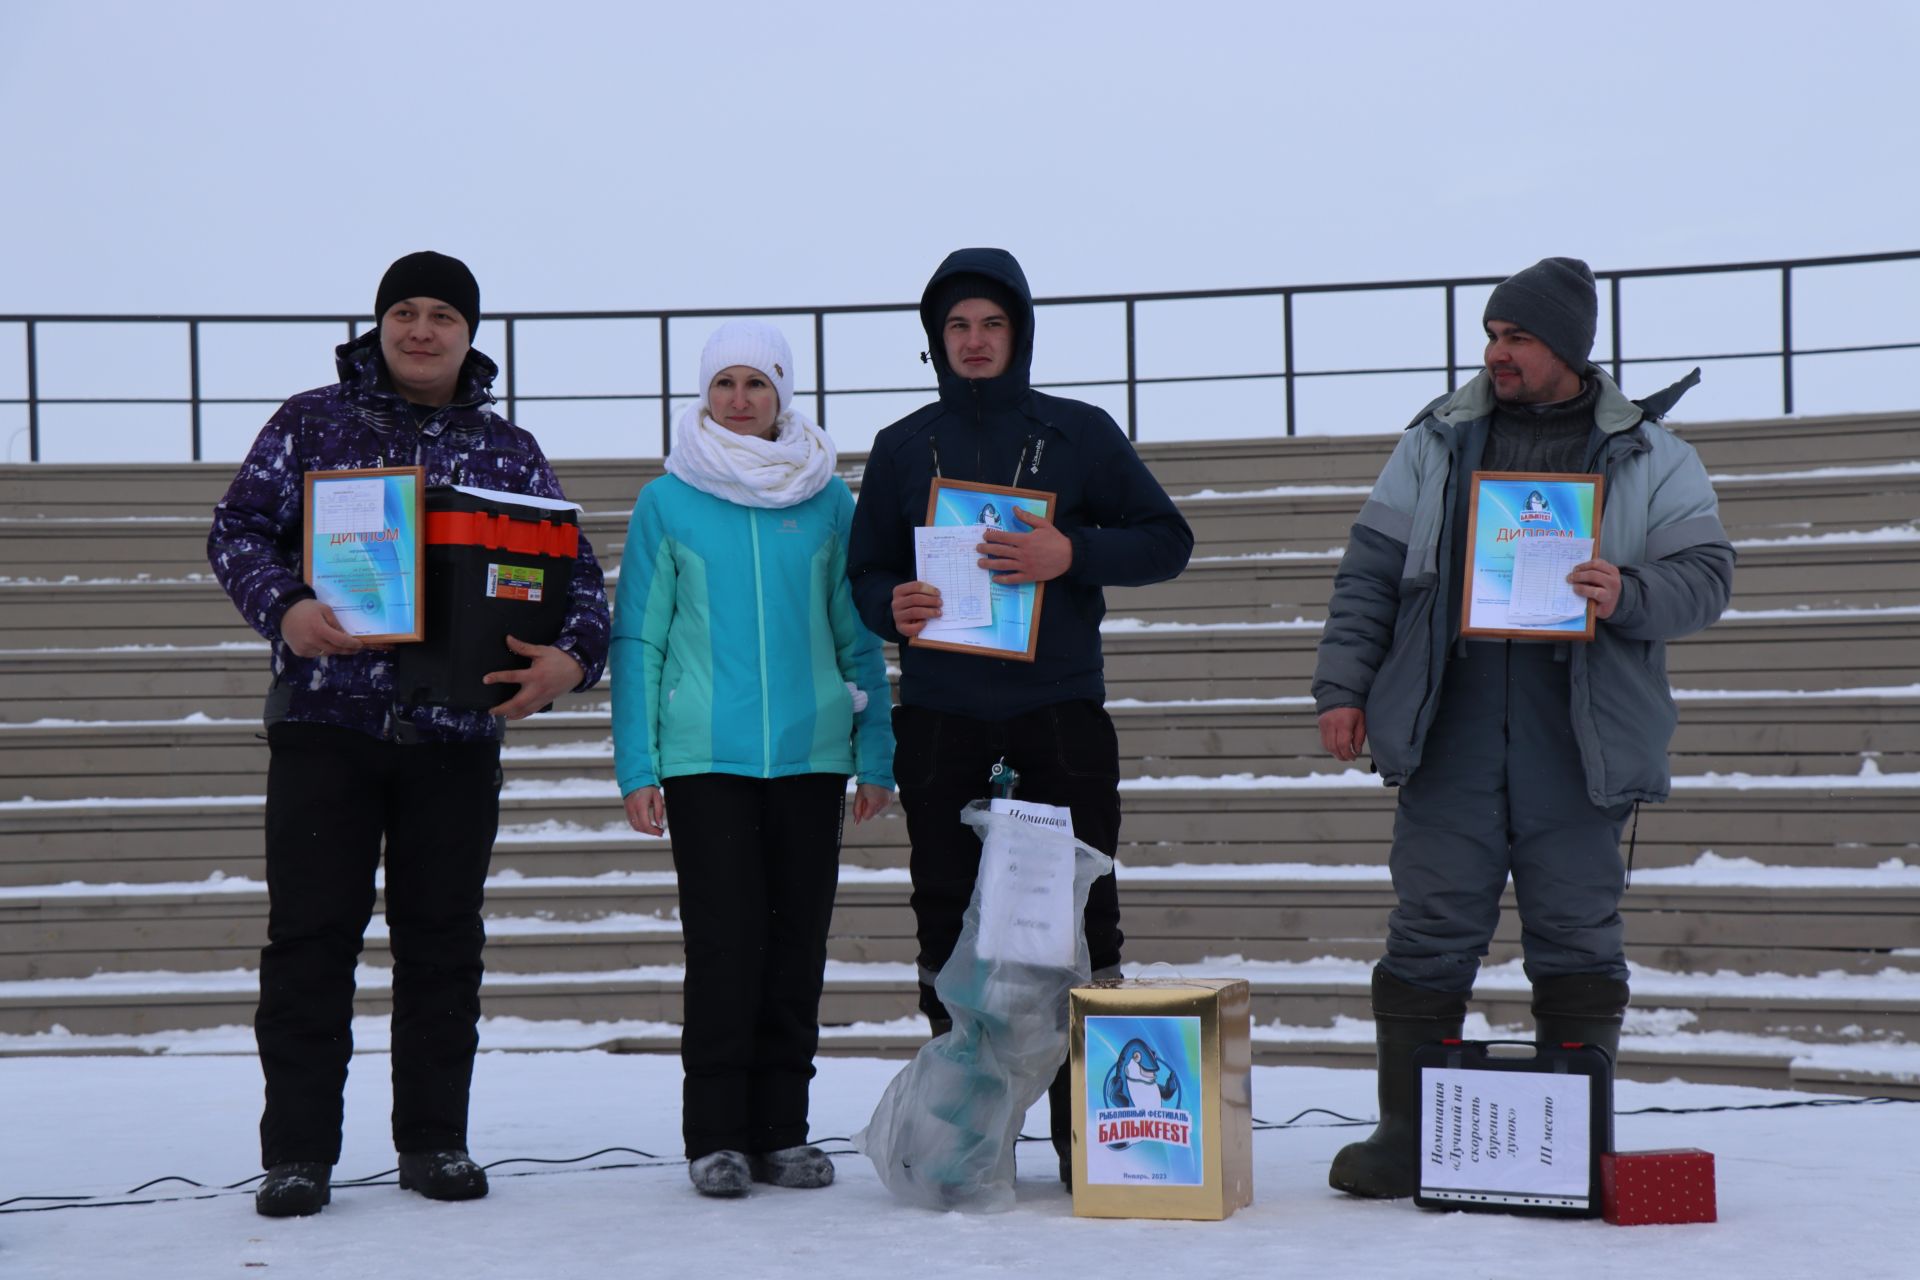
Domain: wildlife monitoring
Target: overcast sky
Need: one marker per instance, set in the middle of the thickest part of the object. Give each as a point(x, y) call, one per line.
point(246, 157)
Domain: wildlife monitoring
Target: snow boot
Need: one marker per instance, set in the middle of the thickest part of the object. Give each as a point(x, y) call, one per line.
point(442, 1175)
point(1386, 1165)
point(793, 1167)
point(294, 1189)
point(721, 1173)
point(1580, 1008)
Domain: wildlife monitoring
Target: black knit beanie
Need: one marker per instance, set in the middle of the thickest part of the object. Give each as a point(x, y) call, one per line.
point(431, 275)
point(1554, 301)
point(957, 288)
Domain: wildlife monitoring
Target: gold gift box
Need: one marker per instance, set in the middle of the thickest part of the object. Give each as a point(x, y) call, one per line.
point(1162, 1098)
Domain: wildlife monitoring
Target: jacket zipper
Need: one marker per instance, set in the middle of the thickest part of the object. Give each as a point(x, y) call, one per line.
point(1020, 462)
point(979, 463)
point(979, 428)
point(1435, 601)
point(760, 620)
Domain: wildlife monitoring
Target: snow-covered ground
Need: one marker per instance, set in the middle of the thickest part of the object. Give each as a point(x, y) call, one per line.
point(1803, 1191)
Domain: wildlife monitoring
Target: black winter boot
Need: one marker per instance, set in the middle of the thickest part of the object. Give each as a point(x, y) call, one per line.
point(1386, 1165)
point(442, 1175)
point(1580, 1008)
point(1060, 1122)
point(294, 1189)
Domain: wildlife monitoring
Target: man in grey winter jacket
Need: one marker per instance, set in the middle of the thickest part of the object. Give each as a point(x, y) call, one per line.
point(1519, 757)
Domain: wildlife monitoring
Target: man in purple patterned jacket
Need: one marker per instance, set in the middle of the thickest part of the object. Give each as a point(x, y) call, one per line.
point(353, 768)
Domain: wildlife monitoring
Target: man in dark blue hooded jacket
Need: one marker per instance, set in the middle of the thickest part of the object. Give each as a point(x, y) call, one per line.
point(1111, 525)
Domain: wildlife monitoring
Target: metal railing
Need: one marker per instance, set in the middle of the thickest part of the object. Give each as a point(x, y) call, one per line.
point(1289, 374)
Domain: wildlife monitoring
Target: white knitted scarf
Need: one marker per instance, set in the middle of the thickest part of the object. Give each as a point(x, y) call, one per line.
point(790, 468)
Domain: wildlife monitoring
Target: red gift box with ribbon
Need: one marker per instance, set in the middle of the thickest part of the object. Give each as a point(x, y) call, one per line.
point(1640, 1188)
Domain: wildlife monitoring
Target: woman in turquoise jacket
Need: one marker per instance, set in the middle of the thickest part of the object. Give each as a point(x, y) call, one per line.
point(746, 691)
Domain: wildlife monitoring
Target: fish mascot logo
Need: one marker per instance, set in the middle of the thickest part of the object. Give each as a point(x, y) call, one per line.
point(1143, 1097)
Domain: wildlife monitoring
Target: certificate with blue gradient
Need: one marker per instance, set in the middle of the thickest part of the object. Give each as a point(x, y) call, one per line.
point(1527, 530)
point(364, 553)
point(1014, 631)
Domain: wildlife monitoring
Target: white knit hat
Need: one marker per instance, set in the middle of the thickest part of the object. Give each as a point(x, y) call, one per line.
point(755, 345)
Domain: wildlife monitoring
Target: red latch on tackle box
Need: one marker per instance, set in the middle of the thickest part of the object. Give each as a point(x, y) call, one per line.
point(1641, 1188)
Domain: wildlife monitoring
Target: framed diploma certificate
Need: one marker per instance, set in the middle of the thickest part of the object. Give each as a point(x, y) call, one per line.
point(362, 549)
point(1526, 531)
point(978, 615)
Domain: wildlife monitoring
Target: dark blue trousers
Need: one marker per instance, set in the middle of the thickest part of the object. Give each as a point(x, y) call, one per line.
point(1067, 754)
point(758, 860)
point(337, 803)
point(1501, 791)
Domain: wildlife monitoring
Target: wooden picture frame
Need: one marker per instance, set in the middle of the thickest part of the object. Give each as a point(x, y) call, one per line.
point(1508, 511)
point(363, 549)
point(1014, 632)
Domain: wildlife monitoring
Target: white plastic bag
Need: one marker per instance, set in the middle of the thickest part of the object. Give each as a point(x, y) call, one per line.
point(944, 1131)
point(1025, 886)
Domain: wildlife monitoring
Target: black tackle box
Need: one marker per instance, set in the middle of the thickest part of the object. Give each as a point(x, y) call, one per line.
point(498, 564)
point(1513, 1127)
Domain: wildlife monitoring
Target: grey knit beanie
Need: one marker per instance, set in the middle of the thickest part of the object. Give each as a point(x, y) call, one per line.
point(1554, 301)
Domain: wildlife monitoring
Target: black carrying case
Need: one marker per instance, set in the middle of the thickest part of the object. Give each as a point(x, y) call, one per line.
point(495, 567)
point(1448, 1142)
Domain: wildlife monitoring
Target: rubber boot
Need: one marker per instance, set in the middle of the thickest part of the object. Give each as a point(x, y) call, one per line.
point(1386, 1165)
point(1580, 1008)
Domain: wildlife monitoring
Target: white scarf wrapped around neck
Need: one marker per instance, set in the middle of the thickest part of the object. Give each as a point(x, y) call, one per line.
point(749, 470)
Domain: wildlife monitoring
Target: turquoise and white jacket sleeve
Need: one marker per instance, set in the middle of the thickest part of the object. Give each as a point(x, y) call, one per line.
point(862, 661)
point(643, 608)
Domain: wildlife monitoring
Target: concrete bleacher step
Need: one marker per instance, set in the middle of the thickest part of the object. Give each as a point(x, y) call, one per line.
point(1262, 588)
point(1275, 1045)
point(89, 491)
point(584, 928)
point(1847, 649)
point(1652, 1061)
point(134, 683)
point(1159, 663)
point(1763, 736)
point(171, 548)
point(1804, 444)
point(1832, 823)
point(1331, 996)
